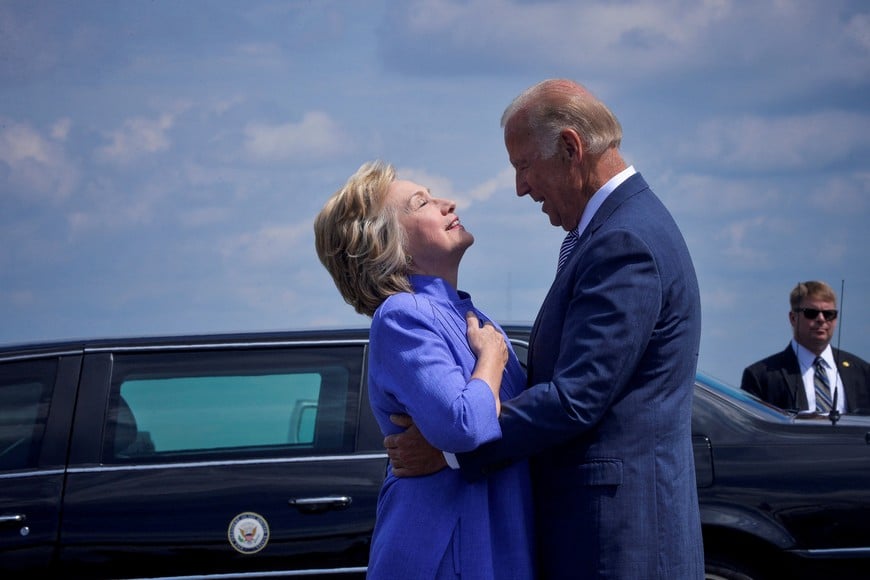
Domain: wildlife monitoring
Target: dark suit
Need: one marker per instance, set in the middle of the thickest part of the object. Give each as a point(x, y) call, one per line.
point(777, 380)
point(607, 415)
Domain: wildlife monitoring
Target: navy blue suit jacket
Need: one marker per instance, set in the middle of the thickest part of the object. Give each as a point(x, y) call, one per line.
point(777, 380)
point(607, 414)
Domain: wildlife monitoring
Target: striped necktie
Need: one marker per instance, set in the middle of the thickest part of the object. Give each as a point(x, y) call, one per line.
point(822, 386)
point(568, 245)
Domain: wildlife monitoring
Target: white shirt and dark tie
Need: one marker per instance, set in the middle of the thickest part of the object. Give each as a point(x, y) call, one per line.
point(820, 378)
point(572, 237)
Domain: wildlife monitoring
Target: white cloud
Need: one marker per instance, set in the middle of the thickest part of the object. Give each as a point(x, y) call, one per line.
point(137, 138)
point(504, 180)
point(738, 245)
point(802, 44)
point(113, 216)
point(222, 105)
point(37, 166)
point(846, 194)
point(268, 245)
point(720, 298)
point(443, 187)
point(316, 136)
point(698, 194)
point(779, 143)
point(60, 130)
point(105, 206)
point(203, 216)
point(858, 29)
point(832, 249)
point(21, 142)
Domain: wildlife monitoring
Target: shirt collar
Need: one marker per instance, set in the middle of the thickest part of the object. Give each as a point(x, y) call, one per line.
point(806, 358)
point(437, 288)
point(597, 200)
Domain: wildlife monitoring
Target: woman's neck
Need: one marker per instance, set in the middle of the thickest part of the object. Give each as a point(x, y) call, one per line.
point(451, 277)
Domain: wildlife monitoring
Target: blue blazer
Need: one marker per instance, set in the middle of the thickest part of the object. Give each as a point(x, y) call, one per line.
point(777, 380)
point(607, 413)
point(440, 525)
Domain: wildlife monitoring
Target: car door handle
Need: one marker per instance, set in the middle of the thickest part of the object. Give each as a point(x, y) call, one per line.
point(13, 519)
point(310, 505)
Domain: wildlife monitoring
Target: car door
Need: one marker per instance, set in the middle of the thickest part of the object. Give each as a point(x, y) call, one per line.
point(826, 467)
point(36, 401)
point(797, 484)
point(225, 460)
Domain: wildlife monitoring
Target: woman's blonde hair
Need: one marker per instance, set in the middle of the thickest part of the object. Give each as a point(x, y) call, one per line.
point(360, 242)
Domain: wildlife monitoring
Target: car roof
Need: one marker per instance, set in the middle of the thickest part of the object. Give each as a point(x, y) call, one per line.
point(53, 347)
point(71, 345)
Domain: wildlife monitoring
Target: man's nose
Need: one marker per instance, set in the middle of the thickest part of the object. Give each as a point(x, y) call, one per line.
point(522, 187)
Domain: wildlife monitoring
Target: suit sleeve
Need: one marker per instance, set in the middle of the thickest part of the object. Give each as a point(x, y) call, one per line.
point(613, 311)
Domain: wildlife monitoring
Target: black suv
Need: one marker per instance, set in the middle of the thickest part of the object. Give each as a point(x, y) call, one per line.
point(255, 455)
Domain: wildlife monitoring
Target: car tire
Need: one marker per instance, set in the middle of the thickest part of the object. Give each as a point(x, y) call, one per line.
point(724, 573)
point(727, 569)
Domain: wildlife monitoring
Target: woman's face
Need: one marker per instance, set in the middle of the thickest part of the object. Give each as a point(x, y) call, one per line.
point(435, 239)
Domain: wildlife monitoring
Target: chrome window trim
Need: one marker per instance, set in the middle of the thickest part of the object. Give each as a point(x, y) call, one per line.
point(36, 355)
point(270, 574)
point(31, 473)
point(227, 345)
point(219, 463)
point(194, 464)
point(833, 553)
point(169, 346)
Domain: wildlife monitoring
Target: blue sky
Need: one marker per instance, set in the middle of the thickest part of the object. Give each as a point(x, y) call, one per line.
point(161, 162)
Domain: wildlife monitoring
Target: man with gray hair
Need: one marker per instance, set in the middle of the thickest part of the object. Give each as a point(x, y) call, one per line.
point(606, 415)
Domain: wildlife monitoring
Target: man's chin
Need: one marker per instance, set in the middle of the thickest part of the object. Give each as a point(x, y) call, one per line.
point(820, 345)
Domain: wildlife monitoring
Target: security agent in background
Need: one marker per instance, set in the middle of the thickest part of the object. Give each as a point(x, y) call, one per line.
point(810, 375)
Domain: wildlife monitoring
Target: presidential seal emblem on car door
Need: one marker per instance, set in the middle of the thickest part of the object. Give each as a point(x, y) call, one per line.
point(248, 533)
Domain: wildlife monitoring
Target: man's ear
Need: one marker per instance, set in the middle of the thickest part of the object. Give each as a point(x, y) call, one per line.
point(572, 145)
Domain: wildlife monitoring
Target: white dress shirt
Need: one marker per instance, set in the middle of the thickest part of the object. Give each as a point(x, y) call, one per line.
point(805, 361)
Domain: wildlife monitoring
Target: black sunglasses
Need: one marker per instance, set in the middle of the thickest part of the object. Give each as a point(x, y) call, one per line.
point(813, 313)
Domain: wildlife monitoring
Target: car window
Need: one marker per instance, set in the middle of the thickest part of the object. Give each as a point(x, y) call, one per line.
point(213, 404)
point(521, 348)
point(25, 394)
point(734, 395)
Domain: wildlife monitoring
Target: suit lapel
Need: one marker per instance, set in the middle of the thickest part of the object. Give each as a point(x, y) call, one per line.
point(850, 378)
point(794, 382)
point(626, 189)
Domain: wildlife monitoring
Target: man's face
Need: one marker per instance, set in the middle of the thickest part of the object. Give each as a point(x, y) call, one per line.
point(815, 334)
point(551, 182)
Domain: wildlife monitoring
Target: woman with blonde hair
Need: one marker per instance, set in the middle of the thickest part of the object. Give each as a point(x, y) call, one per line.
point(393, 250)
